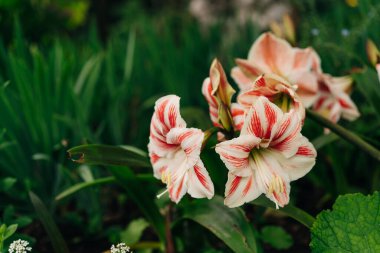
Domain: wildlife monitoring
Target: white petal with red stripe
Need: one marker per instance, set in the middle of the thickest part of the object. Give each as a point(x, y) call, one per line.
point(240, 190)
point(200, 184)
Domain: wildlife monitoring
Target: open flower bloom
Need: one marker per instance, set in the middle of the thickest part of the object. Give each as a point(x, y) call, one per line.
point(270, 54)
point(277, 90)
point(174, 151)
point(218, 93)
point(333, 101)
point(269, 153)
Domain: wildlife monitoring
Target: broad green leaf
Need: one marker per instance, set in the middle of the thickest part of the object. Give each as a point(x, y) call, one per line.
point(135, 190)
point(96, 154)
point(368, 84)
point(289, 210)
point(228, 224)
point(133, 232)
point(10, 231)
point(57, 241)
point(80, 186)
point(353, 225)
point(277, 237)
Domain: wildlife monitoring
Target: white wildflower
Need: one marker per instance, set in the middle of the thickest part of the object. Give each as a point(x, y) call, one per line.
point(19, 246)
point(120, 248)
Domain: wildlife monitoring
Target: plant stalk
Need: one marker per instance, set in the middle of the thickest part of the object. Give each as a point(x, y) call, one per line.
point(345, 134)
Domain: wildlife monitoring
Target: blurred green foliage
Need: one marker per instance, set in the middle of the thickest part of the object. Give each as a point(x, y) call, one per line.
point(63, 92)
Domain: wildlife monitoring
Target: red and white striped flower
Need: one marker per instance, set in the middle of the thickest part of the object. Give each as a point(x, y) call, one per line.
point(218, 93)
point(333, 101)
point(269, 153)
point(277, 90)
point(272, 55)
point(174, 151)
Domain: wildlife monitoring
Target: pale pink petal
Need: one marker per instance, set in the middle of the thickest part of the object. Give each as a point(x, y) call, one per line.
point(270, 177)
point(272, 55)
point(303, 59)
point(240, 190)
point(207, 91)
point(249, 68)
point(189, 140)
point(307, 86)
point(262, 120)
point(200, 184)
point(243, 81)
point(302, 162)
point(220, 86)
point(285, 138)
point(378, 70)
point(238, 115)
point(235, 153)
point(349, 109)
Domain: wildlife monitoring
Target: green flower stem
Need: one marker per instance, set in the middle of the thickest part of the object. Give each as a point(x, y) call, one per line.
point(208, 133)
point(294, 212)
point(345, 134)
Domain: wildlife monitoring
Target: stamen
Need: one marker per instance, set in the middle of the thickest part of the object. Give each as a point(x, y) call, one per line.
point(162, 193)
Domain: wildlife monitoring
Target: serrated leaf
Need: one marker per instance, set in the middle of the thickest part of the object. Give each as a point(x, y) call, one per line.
point(228, 224)
point(277, 237)
point(351, 226)
point(96, 154)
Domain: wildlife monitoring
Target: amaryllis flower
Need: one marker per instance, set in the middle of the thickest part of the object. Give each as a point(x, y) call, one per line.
point(269, 153)
point(278, 90)
point(174, 151)
point(270, 54)
point(218, 93)
point(333, 101)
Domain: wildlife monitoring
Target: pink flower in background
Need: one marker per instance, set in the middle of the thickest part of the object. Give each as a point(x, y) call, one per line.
point(333, 100)
point(271, 55)
point(218, 93)
point(174, 151)
point(277, 90)
point(269, 153)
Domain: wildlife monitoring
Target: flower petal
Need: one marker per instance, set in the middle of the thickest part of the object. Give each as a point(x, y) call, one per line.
point(240, 190)
point(262, 119)
point(272, 55)
point(189, 140)
point(285, 139)
point(378, 70)
point(235, 153)
point(178, 187)
point(200, 184)
point(207, 91)
point(238, 115)
point(302, 162)
point(349, 109)
point(221, 88)
point(243, 81)
point(271, 178)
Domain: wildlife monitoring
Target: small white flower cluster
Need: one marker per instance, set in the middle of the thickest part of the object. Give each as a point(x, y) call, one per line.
point(19, 246)
point(120, 248)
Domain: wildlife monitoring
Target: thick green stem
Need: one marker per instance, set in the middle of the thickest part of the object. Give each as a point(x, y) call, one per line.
point(345, 134)
point(294, 212)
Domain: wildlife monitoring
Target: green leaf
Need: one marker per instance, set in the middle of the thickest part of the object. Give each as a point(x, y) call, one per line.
point(277, 237)
point(75, 188)
point(289, 210)
point(135, 190)
point(133, 232)
point(57, 241)
point(96, 154)
point(10, 231)
point(351, 226)
point(228, 224)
